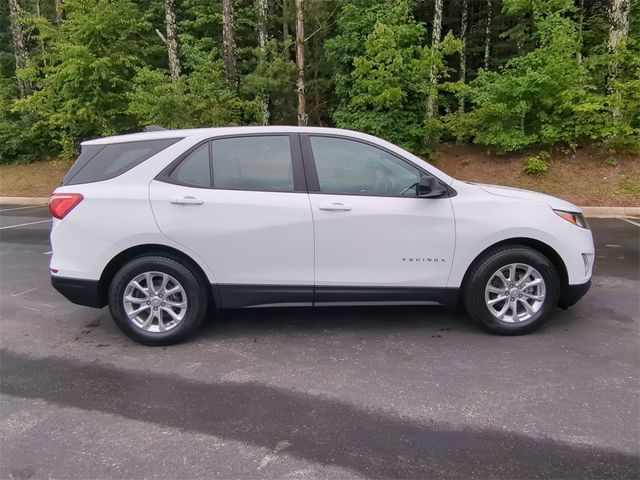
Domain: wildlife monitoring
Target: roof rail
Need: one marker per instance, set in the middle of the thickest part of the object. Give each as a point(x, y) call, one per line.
point(153, 128)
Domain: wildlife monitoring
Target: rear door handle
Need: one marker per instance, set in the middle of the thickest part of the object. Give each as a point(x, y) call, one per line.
point(335, 207)
point(186, 201)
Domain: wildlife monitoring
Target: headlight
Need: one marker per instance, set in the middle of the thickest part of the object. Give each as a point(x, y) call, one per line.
point(573, 217)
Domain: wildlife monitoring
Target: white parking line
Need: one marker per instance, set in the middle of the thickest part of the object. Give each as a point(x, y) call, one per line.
point(631, 222)
point(22, 293)
point(24, 224)
point(22, 208)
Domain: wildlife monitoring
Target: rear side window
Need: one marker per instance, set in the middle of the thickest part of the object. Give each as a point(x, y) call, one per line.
point(260, 163)
point(195, 170)
point(102, 162)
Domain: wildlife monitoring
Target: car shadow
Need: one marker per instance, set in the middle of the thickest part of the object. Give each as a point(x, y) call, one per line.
point(324, 430)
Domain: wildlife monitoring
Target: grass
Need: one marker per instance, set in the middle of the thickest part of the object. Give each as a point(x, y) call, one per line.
point(33, 180)
point(586, 177)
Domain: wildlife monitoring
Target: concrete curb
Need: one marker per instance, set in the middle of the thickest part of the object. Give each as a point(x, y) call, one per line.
point(24, 200)
point(610, 212)
point(590, 212)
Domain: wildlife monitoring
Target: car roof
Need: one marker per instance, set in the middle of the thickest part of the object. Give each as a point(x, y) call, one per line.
point(220, 131)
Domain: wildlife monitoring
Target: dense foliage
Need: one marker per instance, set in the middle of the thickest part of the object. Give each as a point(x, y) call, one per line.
point(538, 73)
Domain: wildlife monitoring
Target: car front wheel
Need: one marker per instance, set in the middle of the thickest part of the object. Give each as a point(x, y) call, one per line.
point(512, 290)
point(157, 300)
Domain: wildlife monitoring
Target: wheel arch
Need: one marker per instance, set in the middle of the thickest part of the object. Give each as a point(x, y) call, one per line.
point(117, 262)
point(541, 247)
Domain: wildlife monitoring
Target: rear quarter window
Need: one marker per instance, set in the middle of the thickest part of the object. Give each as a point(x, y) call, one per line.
point(102, 162)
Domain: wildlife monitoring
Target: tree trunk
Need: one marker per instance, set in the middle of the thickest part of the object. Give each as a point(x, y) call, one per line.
point(435, 44)
point(172, 39)
point(463, 52)
point(487, 35)
point(19, 45)
point(58, 8)
point(263, 10)
point(286, 37)
point(229, 44)
point(580, 26)
point(619, 15)
point(619, 22)
point(302, 113)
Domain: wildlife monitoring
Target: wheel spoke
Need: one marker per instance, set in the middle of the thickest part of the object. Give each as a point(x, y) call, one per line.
point(172, 290)
point(131, 299)
point(161, 325)
point(503, 310)
point(135, 312)
point(165, 279)
point(524, 277)
point(494, 289)
point(526, 306)
point(139, 287)
point(173, 314)
point(147, 323)
point(532, 283)
point(512, 273)
point(537, 298)
point(181, 304)
point(504, 280)
point(497, 299)
point(150, 286)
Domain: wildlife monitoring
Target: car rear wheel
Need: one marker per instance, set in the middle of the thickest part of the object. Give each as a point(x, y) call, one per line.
point(157, 300)
point(512, 290)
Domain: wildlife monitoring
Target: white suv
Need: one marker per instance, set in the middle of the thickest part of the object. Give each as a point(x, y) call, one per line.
point(160, 225)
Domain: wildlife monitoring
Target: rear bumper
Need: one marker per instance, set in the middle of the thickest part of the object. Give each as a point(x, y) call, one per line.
point(572, 293)
point(81, 292)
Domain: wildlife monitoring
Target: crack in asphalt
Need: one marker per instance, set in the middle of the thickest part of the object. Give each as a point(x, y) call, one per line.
point(315, 428)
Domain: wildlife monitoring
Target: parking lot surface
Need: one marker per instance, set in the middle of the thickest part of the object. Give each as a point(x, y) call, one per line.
point(393, 392)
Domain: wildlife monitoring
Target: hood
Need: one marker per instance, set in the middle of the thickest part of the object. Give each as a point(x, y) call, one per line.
point(553, 202)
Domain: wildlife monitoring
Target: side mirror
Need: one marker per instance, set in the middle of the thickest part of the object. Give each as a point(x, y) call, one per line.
point(429, 187)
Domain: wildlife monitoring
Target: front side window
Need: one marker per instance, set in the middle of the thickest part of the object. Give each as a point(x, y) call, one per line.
point(260, 163)
point(355, 168)
point(194, 170)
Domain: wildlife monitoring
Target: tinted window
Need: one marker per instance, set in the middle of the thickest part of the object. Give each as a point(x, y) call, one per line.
point(114, 159)
point(351, 167)
point(194, 170)
point(253, 163)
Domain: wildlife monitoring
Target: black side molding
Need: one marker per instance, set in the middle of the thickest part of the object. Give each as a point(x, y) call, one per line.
point(570, 294)
point(241, 296)
point(80, 292)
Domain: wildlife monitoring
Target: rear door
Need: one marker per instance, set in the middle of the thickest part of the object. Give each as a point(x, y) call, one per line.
point(240, 203)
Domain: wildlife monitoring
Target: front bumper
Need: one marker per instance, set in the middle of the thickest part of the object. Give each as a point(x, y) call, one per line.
point(572, 293)
point(81, 292)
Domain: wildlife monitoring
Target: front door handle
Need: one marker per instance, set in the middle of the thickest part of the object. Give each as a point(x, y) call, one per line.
point(335, 207)
point(186, 201)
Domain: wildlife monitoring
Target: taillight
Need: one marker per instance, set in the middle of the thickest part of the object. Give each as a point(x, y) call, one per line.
point(60, 204)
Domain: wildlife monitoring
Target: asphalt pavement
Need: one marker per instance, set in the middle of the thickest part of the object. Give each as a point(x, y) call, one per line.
point(393, 392)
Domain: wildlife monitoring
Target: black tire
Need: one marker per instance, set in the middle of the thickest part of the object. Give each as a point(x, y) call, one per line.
point(196, 296)
point(482, 271)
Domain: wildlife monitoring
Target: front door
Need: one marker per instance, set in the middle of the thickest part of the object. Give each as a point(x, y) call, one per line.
point(375, 238)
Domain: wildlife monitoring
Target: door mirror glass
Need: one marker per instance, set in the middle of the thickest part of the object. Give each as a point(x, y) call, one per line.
point(429, 187)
